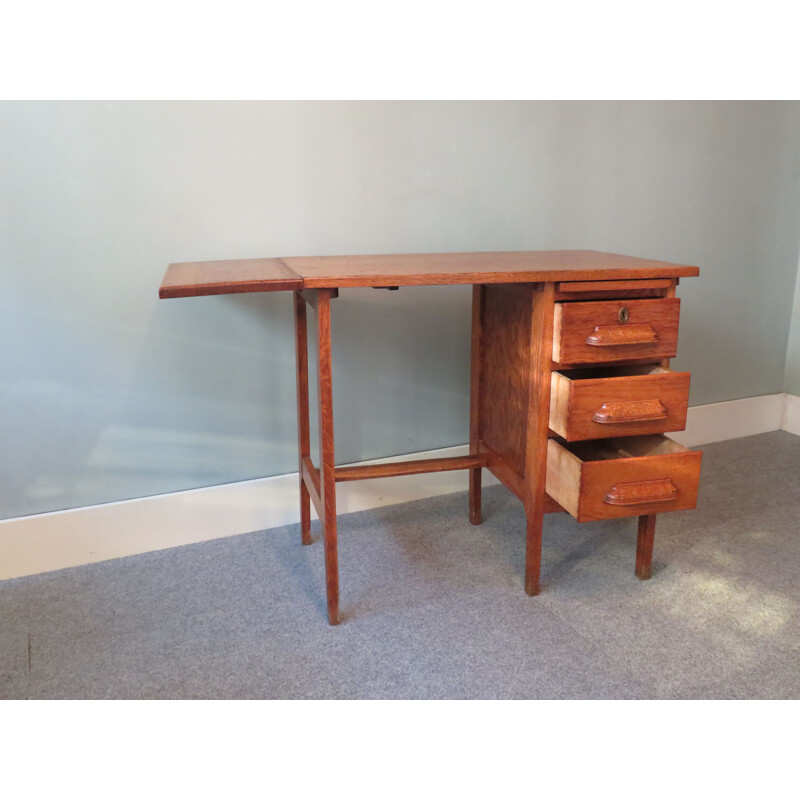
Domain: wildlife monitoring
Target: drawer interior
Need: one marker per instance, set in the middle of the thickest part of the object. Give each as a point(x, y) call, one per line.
point(592, 373)
point(624, 447)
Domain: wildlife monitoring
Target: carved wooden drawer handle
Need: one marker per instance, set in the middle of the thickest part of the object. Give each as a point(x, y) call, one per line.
point(634, 494)
point(620, 335)
point(630, 411)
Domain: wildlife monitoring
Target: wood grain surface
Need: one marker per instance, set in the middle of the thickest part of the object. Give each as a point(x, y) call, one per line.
point(645, 539)
point(571, 287)
point(303, 429)
point(200, 278)
point(327, 488)
point(581, 476)
point(492, 267)
point(476, 368)
point(197, 278)
point(538, 413)
point(586, 404)
point(652, 324)
point(417, 467)
point(505, 375)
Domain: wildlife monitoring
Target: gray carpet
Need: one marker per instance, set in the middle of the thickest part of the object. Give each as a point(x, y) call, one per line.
point(434, 607)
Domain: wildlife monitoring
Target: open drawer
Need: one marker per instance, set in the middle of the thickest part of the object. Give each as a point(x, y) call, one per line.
point(622, 477)
point(602, 402)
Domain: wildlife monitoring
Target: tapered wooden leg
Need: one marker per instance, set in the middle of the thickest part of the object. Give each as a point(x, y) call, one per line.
point(474, 403)
point(644, 545)
point(326, 454)
point(303, 437)
point(475, 496)
point(538, 418)
point(533, 550)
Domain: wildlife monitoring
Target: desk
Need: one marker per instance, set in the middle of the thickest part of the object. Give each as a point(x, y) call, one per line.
point(570, 388)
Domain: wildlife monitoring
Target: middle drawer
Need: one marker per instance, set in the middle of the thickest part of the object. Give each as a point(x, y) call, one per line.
point(603, 402)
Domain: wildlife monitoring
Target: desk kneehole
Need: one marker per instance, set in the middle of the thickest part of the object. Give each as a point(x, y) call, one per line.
point(605, 402)
point(622, 477)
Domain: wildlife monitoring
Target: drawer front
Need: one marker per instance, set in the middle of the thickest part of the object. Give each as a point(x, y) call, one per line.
point(624, 405)
point(626, 486)
point(597, 290)
point(615, 330)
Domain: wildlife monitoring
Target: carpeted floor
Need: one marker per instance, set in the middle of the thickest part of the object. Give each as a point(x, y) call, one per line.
point(434, 608)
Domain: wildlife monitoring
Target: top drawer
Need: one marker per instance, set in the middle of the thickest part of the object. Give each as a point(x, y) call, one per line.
point(615, 330)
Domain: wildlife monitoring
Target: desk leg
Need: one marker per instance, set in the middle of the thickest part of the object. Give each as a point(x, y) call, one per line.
point(644, 545)
point(478, 293)
point(303, 436)
point(538, 414)
point(327, 483)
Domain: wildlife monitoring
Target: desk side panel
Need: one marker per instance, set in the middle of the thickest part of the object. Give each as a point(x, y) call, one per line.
point(505, 381)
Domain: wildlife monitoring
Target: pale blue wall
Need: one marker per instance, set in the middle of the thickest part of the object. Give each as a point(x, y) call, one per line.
point(107, 393)
point(792, 380)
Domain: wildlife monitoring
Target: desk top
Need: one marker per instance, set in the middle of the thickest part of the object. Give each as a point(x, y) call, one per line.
point(199, 278)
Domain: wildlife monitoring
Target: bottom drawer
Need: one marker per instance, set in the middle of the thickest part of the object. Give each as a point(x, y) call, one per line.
point(622, 477)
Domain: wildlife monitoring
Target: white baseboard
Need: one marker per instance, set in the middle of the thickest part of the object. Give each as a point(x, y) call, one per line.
point(791, 415)
point(717, 422)
point(46, 542)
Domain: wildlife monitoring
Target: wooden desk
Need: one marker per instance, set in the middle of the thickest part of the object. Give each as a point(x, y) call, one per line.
point(570, 391)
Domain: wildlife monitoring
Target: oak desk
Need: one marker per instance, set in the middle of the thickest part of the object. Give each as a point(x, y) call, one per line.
point(570, 381)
